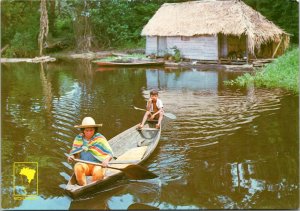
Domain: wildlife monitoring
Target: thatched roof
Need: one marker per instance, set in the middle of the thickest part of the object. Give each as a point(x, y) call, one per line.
point(210, 17)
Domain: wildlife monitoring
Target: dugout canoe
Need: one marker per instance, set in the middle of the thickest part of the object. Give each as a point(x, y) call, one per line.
point(130, 63)
point(130, 147)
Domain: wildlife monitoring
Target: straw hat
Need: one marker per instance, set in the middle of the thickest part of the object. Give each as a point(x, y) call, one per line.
point(88, 122)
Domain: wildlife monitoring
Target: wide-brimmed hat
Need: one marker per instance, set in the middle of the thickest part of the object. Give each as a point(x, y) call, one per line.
point(88, 122)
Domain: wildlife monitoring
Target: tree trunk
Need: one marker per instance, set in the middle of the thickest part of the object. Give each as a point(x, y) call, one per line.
point(43, 26)
point(82, 26)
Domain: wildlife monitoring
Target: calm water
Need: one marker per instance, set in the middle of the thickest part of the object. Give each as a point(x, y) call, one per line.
point(228, 148)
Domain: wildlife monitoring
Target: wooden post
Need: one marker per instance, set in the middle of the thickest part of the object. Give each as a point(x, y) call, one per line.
point(219, 47)
point(276, 49)
point(247, 52)
point(157, 46)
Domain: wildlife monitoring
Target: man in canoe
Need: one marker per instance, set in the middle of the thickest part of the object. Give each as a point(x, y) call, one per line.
point(154, 110)
point(90, 146)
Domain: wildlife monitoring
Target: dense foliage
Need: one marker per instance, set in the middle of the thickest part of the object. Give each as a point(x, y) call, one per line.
point(84, 25)
point(18, 29)
point(282, 73)
point(284, 13)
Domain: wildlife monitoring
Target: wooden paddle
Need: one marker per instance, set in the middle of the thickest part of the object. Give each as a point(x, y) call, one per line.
point(132, 171)
point(169, 115)
point(154, 129)
point(140, 206)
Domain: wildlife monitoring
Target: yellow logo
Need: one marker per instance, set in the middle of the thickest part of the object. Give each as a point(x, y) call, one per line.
point(25, 180)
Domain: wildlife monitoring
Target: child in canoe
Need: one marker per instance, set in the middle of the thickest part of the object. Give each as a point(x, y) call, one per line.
point(154, 110)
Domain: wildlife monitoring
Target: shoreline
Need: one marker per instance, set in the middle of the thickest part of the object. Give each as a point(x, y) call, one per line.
point(169, 65)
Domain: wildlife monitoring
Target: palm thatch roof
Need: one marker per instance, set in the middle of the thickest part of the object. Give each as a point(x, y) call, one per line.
point(210, 17)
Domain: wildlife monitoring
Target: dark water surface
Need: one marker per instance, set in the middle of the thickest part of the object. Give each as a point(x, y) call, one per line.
point(228, 148)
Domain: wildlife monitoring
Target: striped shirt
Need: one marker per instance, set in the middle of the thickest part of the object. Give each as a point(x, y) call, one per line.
point(97, 147)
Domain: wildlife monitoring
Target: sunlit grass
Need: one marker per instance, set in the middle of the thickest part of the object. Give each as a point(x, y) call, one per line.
point(282, 73)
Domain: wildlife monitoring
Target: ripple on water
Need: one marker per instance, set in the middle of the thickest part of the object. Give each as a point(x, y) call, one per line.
point(202, 121)
point(65, 176)
point(208, 116)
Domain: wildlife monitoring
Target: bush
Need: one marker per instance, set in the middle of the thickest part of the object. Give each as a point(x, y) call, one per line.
point(282, 73)
point(177, 54)
point(22, 45)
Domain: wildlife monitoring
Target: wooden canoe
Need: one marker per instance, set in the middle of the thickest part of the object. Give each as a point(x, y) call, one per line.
point(130, 147)
point(131, 63)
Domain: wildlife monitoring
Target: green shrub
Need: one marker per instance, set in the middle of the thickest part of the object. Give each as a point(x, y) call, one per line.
point(282, 73)
point(22, 45)
point(177, 54)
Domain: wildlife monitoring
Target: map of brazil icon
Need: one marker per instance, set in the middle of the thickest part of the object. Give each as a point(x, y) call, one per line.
point(25, 180)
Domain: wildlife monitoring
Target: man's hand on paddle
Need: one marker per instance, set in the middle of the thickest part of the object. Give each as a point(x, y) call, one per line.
point(71, 158)
point(105, 162)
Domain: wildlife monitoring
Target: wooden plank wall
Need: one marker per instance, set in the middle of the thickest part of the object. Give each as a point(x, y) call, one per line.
point(162, 46)
point(151, 45)
point(201, 48)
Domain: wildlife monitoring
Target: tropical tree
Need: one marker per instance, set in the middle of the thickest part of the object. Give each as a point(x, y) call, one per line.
point(284, 13)
point(85, 25)
point(43, 26)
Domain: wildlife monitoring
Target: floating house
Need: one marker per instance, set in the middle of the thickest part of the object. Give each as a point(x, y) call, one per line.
point(213, 30)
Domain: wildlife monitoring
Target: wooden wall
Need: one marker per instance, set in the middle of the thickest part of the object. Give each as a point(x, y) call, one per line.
point(200, 48)
point(162, 46)
point(208, 47)
point(151, 45)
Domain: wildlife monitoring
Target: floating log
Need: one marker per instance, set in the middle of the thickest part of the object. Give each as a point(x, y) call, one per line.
point(207, 62)
point(30, 60)
point(233, 61)
point(261, 62)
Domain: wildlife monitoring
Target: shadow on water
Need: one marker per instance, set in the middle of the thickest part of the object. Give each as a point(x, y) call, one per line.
point(120, 196)
point(228, 148)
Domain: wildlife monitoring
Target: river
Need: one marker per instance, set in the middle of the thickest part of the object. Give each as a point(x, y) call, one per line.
point(229, 148)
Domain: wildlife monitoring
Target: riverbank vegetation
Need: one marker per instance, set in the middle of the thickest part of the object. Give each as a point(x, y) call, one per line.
point(94, 25)
point(122, 58)
point(282, 73)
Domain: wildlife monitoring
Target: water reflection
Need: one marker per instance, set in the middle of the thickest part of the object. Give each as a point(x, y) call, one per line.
point(228, 148)
point(121, 195)
point(178, 80)
point(41, 203)
point(47, 89)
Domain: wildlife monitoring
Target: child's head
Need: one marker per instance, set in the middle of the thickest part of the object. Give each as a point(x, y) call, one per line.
point(154, 94)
